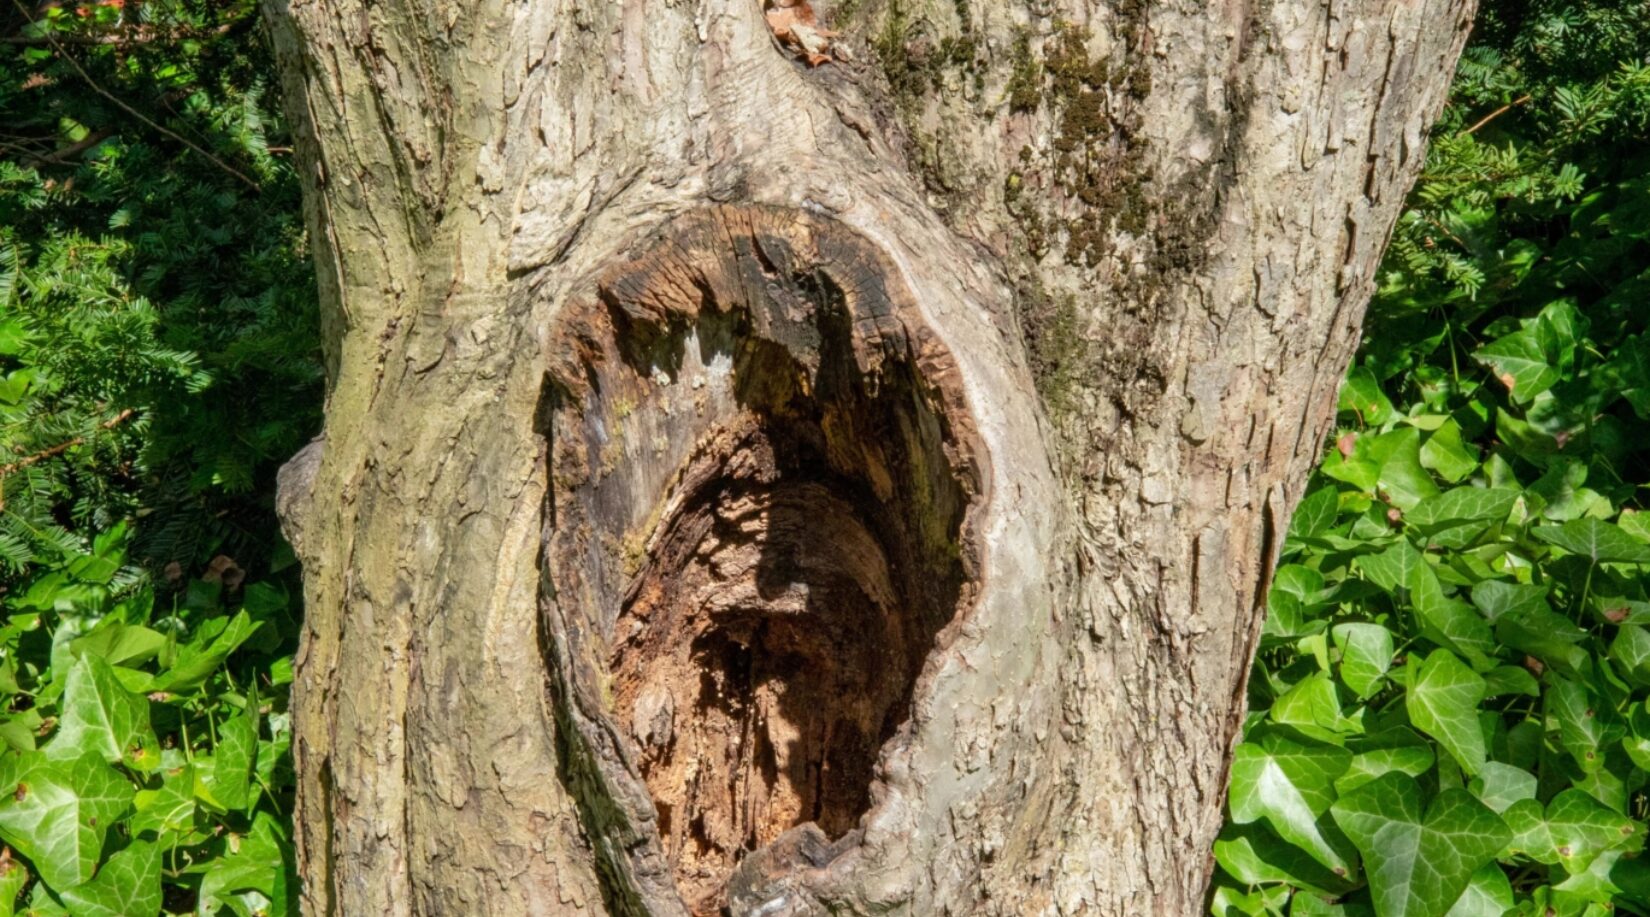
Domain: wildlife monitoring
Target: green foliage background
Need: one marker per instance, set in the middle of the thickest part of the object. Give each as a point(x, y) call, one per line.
point(158, 358)
point(1451, 705)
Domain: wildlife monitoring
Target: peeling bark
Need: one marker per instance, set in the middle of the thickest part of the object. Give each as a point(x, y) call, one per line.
point(791, 473)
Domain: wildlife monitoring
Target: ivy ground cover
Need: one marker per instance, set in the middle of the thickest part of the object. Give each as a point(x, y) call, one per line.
point(1450, 712)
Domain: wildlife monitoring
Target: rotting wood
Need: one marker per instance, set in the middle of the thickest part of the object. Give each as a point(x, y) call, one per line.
point(760, 488)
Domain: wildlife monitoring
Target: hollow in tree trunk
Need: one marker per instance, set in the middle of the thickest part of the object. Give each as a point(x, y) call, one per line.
point(789, 460)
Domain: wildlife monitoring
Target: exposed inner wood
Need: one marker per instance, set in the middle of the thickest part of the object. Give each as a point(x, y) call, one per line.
point(762, 474)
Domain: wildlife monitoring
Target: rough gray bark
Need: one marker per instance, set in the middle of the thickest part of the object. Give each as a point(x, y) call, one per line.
point(788, 487)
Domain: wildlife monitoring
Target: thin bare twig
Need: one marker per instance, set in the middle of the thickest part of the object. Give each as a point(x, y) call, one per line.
point(27, 146)
point(80, 146)
point(1445, 230)
point(1496, 114)
point(134, 112)
point(58, 449)
point(65, 446)
point(131, 35)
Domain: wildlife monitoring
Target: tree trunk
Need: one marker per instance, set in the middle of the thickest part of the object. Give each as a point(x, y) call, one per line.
point(798, 460)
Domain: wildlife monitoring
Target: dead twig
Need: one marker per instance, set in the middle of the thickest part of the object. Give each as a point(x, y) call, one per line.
point(1496, 114)
point(90, 140)
point(64, 446)
point(96, 87)
point(132, 35)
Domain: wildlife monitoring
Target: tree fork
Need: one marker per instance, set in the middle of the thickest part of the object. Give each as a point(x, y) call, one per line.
point(689, 531)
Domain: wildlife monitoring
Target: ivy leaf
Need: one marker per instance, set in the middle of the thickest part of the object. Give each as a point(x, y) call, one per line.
point(1366, 655)
point(259, 867)
point(57, 812)
point(1527, 823)
point(1442, 702)
point(1582, 828)
point(1510, 679)
point(1637, 741)
point(1402, 479)
point(1579, 729)
point(1635, 524)
point(1628, 372)
point(1312, 707)
point(1496, 598)
point(196, 662)
point(1462, 505)
point(1488, 894)
point(1243, 856)
point(13, 876)
point(1560, 492)
point(1632, 649)
point(102, 717)
point(1448, 621)
point(1418, 865)
point(1393, 568)
point(1631, 874)
point(1574, 830)
point(1597, 883)
point(1445, 453)
point(41, 903)
point(1595, 539)
point(168, 809)
point(118, 643)
point(1519, 362)
point(1254, 855)
point(1294, 591)
point(1361, 396)
point(1290, 785)
point(127, 885)
point(1545, 635)
point(1413, 760)
point(1315, 514)
point(234, 757)
point(1267, 901)
point(1606, 786)
point(275, 750)
point(1500, 785)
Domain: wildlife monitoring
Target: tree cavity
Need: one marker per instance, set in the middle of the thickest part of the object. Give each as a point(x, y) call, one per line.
point(761, 474)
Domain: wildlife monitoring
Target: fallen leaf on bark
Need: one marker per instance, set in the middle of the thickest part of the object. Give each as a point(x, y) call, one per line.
point(793, 23)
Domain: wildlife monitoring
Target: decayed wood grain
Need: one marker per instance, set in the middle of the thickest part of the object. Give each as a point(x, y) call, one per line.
point(762, 464)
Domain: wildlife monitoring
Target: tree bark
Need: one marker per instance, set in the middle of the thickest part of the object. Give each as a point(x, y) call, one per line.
point(815, 460)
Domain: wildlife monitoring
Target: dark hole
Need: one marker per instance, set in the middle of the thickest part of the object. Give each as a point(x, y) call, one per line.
point(776, 615)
